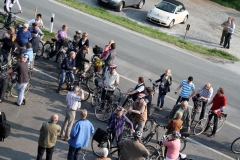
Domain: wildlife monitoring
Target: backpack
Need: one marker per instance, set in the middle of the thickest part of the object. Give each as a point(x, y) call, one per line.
point(97, 50)
point(4, 126)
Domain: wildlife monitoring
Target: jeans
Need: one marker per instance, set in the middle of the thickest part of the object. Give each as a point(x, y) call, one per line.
point(68, 123)
point(105, 69)
point(181, 99)
point(160, 98)
point(227, 41)
point(73, 153)
point(63, 71)
point(49, 152)
point(9, 16)
point(215, 122)
point(138, 126)
point(20, 88)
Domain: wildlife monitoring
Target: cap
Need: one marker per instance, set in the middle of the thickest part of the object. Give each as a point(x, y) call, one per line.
point(141, 95)
point(78, 31)
point(114, 66)
point(34, 32)
point(26, 25)
point(120, 108)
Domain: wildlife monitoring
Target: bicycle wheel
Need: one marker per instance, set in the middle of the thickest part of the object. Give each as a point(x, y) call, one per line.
point(86, 90)
point(235, 146)
point(90, 82)
point(183, 144)
point(40, 49)
point(47, 49)
point(154, 155)
point(193, 114)
point(128, 105)
point(103, 113)
point(200, 126)
point(14, 93)
point(60, 59)
point(148, 127)
point(221, 121)
point(96, 147)
point(3, 19)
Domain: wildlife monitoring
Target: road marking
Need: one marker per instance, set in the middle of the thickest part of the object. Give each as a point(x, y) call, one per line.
point(198, 143)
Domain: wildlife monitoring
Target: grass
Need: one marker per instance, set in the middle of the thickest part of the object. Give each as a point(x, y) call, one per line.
point(132, 25)
point(229, 3)
point(47, 35)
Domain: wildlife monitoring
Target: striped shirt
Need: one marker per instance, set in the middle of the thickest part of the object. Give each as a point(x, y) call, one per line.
point(73, 101)
point(205, 92)
point(186, 89)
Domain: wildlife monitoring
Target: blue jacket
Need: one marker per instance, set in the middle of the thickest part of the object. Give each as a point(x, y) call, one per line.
point(80, 134)
point(67, 64)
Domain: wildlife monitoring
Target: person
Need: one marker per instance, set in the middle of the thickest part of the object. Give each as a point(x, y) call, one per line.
point(2, 119)
point(188, 90)
point(83, 41)
point(219, 103)
point(106, 49)
point(164, 87)
point(203, 95)
point(22, 79)
point(80, 136)
point(116, 123)
point(173, 145)
point(73, 103)
point(139, 111)
point(103, 154)
point(37, 20)
point(110, 81)
point(81, 61)
point(183, 108)
point(8, 4)
point(148, 99)
point(76, 39)
point(10, 31)
point(61, 34)
point(23, 36)
point(35, 27)
point(28, 54)
point(225, 26)
point(48, 137)
point(109, 58)
point(68, 64)
point(35, 43)
point(175, 124)
point(133, 149)
point(231, 29)
point(8, 46)
point(140, 88)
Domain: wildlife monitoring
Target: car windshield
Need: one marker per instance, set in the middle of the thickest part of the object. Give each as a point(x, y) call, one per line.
point(165, 6)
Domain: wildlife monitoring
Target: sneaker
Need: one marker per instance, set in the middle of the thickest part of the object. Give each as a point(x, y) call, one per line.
point(211, 135)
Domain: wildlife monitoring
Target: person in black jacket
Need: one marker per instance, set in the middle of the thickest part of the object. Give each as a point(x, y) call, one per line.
point(83, 41)
point(68, 64)
point(8, 46)
point(35, 43)
point(80, 60)
point(164, 87)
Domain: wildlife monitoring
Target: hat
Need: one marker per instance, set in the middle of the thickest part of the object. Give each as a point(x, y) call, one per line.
point(78, 31)
point(34, 32)
point(114, 66)
point(26, 25)
point(120, 108)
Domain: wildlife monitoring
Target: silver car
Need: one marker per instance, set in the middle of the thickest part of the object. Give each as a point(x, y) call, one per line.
point(120, 4)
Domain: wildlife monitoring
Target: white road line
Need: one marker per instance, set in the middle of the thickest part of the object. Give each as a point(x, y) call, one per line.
point(200, 144)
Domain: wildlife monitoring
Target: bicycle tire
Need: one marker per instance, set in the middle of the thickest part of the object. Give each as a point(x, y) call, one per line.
point(86, 90)
point(2, 20)
point(148, 127)
point(183, 144)
point(193, 115)
point(60, 59)
point(235, 146)
point(221, 121)
point(154, 155)
point(96, 147)
point(96, 98)
point(128, 104)
point(14, 93)
point(103, 113)
point(40, 49)
point(90, 82)
point(47, 49)
point(200, 127)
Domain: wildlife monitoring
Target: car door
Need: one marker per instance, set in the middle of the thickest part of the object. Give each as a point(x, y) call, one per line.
point(136, 2)
point(129, 2)
point(179, 14)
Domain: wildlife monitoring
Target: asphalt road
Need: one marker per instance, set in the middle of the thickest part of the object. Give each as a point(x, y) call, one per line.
point(139, 55)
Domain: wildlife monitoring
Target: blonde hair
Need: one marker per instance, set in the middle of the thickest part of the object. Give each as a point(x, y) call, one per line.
point(84, 34)
point(83, 113)
point(111, 41)
point(169, 72)
point(208, 86)
point(179, 115)
point(13, 37)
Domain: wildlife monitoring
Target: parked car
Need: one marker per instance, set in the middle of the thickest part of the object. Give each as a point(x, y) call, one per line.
point(120, 4)
point(168, 13)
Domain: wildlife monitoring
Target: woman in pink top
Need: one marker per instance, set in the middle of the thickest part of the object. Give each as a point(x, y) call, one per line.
point(106, 49)
point(173, 146)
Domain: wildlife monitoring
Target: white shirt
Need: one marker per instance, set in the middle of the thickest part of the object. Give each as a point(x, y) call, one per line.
point(111, 79)
point(141, 88)
point(10, 5)
point(39, 23)
point(73, 101)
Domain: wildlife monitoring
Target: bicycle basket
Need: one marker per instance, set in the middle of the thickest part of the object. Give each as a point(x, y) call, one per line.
point(100, 135)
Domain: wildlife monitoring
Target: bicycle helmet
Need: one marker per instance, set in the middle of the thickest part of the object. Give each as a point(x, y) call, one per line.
point(138, 134)
point(114, 66)
point(176, 134)
point(141, 95)
point(120, 108)
point(78, 31)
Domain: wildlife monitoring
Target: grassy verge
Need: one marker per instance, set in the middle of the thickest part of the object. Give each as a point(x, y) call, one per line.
point(127, 23)
point(47, 35)
point(229, 3)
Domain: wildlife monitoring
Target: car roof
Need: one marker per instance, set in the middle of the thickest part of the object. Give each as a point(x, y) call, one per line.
point(177, 3)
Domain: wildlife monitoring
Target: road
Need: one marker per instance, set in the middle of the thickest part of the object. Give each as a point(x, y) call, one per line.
point(139, 55)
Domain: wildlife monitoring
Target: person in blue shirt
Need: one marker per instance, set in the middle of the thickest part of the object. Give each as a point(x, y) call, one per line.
point(80, 136)
point(68, 64)
point(23, 36)
point(35, 27)
point(28, 54)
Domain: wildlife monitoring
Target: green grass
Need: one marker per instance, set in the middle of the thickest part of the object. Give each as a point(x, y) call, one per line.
point(47, 35)
point(229, 3)
point(132, 25)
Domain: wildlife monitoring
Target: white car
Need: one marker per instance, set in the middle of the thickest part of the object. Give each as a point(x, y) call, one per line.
point(168, 13)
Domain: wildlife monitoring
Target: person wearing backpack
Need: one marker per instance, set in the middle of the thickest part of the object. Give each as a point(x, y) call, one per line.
point(4, 127)
point(8, 4)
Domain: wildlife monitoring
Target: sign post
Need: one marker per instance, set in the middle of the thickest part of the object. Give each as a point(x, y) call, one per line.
point(187, 29)
point(51, 24)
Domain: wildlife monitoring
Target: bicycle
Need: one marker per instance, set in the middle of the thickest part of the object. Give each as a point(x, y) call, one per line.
point(92, 76)
point(96, 96)
point(235, 146)
point(202, 124)
point(3, 20)
point(67, 84)
point(154, 86)
point(102, 139)
point(129, 101)
point(104, 109)
point(61, 54)
point(194, 109)
point(48, 48)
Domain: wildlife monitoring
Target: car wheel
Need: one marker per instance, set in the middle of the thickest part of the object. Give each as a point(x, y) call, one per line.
point(140, 5)
point(120, 7)
point(171, 24)
point(185, 20)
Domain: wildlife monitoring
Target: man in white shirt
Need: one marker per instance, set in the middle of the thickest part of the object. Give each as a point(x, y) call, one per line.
point(8, 4)
point(73, 103)
point(231, 29)
point(37, 20)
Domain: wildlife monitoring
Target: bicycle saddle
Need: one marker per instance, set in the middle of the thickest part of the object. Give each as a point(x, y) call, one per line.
point(184, 132)
point(54, 39)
